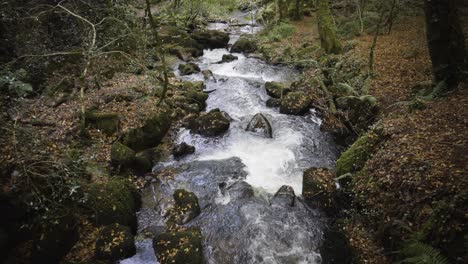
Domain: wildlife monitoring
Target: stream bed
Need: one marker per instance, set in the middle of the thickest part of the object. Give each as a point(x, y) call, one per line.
point(235, 177)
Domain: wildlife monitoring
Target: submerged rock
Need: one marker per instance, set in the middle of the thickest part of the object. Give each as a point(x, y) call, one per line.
point(244, 45)
point(276, 89)
point(239, 190)
point(260, 125)
point(228, 58)
point(189, 68)
point(183, 150)
point(212, 124)
point(115, 242)
point(284, 196)
point(179, 247)
point(295, 103)
point(211, 39)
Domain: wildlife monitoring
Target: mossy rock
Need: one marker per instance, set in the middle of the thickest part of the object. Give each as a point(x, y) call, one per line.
point(115, 201)
point(106, 122)
point(295, 103)
point(197, 97)
point(333, 124)
point(212, 124)
point(318, 187)
point(143, 162)
point(244, 45)
point(186, 207)
point(211, 39)
point(179, 247)
point(276, 90)
point(193, 86)
point(355, 157)
point(228, 58)
point(54, 238)
point(122, 155)
point(115, 242)
point(189, 68)
point(361, 111)
point(273, 102)
point(150, 134)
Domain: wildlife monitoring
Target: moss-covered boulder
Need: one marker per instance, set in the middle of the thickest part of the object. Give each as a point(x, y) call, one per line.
point(333, 124)
point(182, 149)
point(115, 242)
point(318, 187)
point(143, 162)
point(185, 209)
point(184, 43)
point(228, 58)
point(179, 247)
point(361, 111)
point(211, 39)
point(106, 122)
point(244, 45)
point(295, 103)
point(355, 157)
point(193, 86)
point(115, 201)
point(189, 68)
point(276, 89)
point(273, 102)
point(197, 97)
point(122, 155)
point(150, 134)
point(54, 238)
point(212, 124)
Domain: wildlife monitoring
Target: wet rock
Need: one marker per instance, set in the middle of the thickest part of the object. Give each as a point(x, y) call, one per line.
point(276, 89)
point(179, 247)
point(228, 58)
point(150, 134)
point(212, 124)
point(244, 45)
point(53, 239)
point(115, 242)
point(295, 103)
point(189, 68)
point(273, 102)
point(239, 190)
point(115, 201)
point(318, 188)
point(183, 150)
point(197, 97)
point(207, 75)
point(185, 209)
point(211, 39)
point(122, 155)
point(260, 125)
point(284, 196)
point(106, 122)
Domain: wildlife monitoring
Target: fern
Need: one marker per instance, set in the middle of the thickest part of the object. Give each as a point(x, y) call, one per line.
point(416, 252)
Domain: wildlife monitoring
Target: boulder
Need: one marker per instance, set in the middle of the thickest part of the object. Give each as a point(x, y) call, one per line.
point(115, 201)
point(318, 187)
point(212, 124)
point(273, 102)
point(196, 97)
point(179, 247)
point(183, 150)
point(284, 196)
point(189, 68)
point(198, 86)
point(122, 155)
point(150, 134)
point(244, 45)
point(228, 58)
point(260, 125)
point(185, 209)
point(239, 190)
point(106, 122)
point(295, 103)
point(361, 111)
point(115, 242)
point(211, 39)
point(276, 89)
point(333, 124)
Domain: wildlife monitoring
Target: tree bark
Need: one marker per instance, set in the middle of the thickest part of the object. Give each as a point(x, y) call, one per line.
point(445, 40)
point(327, 29)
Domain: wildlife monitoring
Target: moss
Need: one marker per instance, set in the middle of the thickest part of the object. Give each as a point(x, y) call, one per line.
point(115, 242)
point(211, 39)
point(186, 207)
point(295, 103)
point(276, 89)
point(212, 124)
point(115, 201)
point(179, 247)
point(229, 58)
point(197, 97)
point(189, 68)
point(245, 45)
point(150, 135)
point(194, 86)
point(319, 187)
point(355, 157)
point(327, 28)
point(106, 122)
point(121, 154)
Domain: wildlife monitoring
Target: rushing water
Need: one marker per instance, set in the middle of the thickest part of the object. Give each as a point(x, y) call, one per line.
point(236, 176)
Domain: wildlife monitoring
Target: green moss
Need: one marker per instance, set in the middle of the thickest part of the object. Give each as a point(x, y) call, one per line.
point(115, 201)
point(295, 103)
point(186, 207)
point(106, 122)
point(245, 45)
point(327, 28)
point(121, 154)
point(179, 247)
point(197, 97)
point(189, 68)
point(276, 89)
point(355, 157)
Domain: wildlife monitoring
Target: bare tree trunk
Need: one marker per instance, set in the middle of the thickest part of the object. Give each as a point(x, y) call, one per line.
point(445, 40)
point(327, 28)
